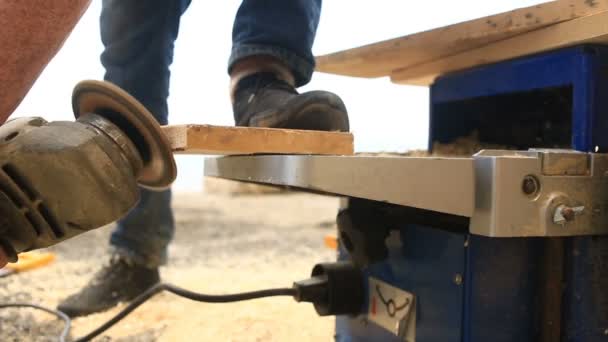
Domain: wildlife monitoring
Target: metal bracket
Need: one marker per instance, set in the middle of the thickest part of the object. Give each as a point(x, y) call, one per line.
point(540, 193)
point(504, 193)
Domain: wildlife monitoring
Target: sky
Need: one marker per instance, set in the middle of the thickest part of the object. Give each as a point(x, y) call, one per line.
point(383, 116)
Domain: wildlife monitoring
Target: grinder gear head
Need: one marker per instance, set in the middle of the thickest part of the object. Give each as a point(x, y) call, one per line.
point(60, 179)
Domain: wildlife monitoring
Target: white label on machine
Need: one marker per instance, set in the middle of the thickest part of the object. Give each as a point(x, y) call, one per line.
point(393, 309)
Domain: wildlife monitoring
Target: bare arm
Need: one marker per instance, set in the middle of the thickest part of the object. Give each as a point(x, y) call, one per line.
point(31, 33)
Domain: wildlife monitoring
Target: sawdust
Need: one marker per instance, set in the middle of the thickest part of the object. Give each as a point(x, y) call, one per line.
point(465, 146)
point(461, 147)
point(223, 244)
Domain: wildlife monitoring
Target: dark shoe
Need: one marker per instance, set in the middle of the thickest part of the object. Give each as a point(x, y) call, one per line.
point(116, 282)
point(262, 100)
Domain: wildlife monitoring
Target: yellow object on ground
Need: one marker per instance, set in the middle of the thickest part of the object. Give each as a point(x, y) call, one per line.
point(28, 261)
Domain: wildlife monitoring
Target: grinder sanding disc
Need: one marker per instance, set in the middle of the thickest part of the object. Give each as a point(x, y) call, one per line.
point(117, 106)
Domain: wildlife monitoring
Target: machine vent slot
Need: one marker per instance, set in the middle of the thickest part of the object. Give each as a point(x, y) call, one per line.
point(50, 219)
point(13, 197)
point(17, 190)
point(23, 184)
point(30, 218)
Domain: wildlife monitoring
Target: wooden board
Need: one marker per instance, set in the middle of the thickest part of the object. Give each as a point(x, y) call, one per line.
point(219, 140)
point(380, 59)
point(590, 29)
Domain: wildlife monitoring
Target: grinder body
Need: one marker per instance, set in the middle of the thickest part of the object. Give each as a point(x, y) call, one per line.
point(60, 179)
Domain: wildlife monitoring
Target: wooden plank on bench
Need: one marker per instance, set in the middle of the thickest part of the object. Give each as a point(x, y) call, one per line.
point(220, 140)
point(590, 29)
point(380, 59)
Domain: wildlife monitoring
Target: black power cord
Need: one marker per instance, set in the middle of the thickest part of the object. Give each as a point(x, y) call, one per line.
point(142, 298)
point(334, 289)
point(199, 297)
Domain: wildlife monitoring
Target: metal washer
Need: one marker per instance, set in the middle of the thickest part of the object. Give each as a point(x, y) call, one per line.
point(116, 105)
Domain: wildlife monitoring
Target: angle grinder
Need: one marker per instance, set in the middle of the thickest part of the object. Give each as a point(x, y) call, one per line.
point(60, 179)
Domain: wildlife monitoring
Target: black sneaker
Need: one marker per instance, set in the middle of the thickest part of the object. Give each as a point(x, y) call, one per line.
point(116, 282)
point(263, 100)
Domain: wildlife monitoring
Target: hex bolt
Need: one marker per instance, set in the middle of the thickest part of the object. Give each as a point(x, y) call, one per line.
point(530, 185)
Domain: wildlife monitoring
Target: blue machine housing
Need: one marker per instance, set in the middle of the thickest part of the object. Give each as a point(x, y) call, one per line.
point(513, 289)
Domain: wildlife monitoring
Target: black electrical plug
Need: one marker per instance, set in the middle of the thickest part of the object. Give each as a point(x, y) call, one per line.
point(334, 289)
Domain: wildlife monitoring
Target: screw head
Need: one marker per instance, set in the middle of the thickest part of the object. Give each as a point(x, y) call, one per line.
point(458, 279)
point(530, 185)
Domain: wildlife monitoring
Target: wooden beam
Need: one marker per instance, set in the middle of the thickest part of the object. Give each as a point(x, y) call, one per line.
point(219, 140)
point(380, 59)
point(590, 29)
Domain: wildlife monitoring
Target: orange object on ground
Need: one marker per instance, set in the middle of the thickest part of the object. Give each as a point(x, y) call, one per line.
point(331, 241)
point(28, 261)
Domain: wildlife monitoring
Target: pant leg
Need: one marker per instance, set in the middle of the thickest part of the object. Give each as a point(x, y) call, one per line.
point(138, 38)
point(284, 29)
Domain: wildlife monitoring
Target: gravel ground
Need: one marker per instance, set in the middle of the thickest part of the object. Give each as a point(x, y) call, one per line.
point(223, 244)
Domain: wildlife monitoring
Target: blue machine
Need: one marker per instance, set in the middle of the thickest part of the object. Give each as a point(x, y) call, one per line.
point(478, 289)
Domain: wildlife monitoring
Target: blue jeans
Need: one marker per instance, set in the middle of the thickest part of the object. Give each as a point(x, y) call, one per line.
point(139, 36)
